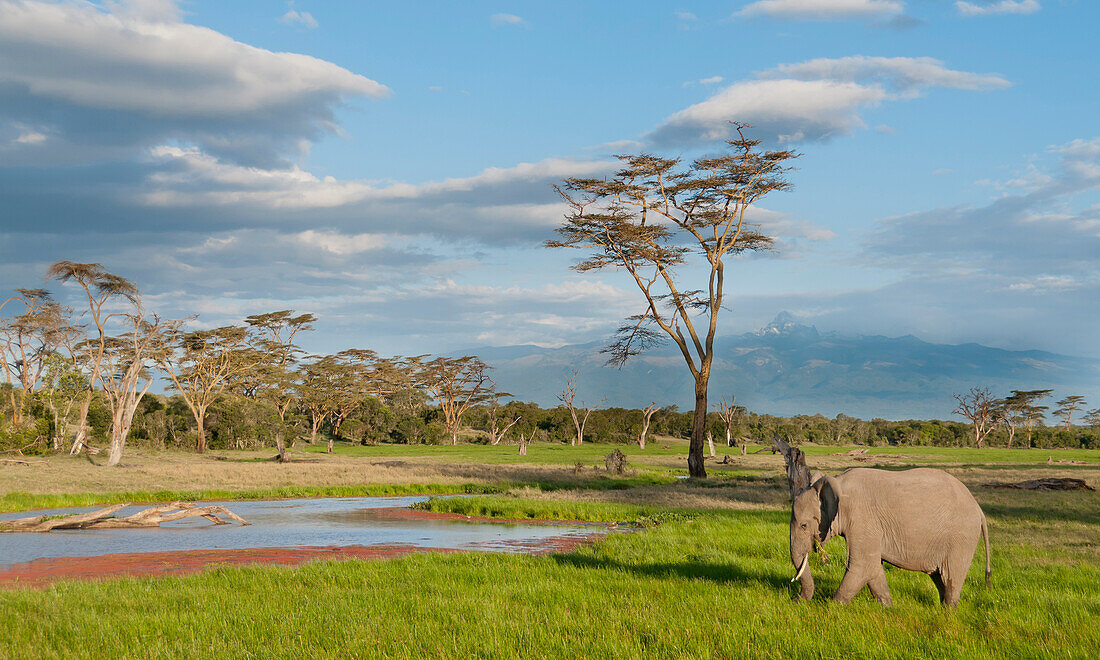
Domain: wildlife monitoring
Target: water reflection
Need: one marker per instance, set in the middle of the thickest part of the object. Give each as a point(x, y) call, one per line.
point(312, 522)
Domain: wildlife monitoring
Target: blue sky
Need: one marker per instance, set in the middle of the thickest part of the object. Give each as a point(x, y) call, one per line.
point(388, 166)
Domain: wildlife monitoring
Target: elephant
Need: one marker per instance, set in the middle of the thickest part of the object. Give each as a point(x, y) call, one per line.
point(919, 520)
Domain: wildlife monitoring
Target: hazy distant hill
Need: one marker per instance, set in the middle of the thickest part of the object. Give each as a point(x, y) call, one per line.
point(788, 368)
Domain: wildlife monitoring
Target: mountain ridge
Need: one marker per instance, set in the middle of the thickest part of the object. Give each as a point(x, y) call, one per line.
point(789, 368)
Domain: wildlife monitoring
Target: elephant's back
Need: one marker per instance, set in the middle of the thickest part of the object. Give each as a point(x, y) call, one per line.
point(924, 513)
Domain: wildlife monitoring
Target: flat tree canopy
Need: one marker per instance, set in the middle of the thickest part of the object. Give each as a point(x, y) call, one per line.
point(658, 214)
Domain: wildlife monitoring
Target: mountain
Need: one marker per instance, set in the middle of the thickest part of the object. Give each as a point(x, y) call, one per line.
point(788, 368)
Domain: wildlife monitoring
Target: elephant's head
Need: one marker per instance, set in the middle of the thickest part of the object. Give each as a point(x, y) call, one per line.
point(813, 516)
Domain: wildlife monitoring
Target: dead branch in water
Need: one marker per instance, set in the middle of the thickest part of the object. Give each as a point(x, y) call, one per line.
point(104, 518)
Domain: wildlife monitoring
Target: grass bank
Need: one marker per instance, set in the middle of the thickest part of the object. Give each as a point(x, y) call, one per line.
point(707, 584)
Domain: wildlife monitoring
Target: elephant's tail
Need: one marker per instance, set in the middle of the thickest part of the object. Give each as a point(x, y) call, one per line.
point(988, 567)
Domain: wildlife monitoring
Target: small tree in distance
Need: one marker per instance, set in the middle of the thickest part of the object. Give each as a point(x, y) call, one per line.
point(647, 415)
point(456, 384)
point(979, 406)
point(568, 396)
point(656, 216)
point(1066, 408)
point(200, 365)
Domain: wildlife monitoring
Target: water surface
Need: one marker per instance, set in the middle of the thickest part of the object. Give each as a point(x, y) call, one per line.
point(280, 523)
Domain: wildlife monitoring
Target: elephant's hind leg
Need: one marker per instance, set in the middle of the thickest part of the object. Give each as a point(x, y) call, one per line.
point(937, 579)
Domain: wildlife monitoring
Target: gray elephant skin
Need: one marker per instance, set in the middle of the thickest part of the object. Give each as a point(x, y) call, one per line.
point(919, 520)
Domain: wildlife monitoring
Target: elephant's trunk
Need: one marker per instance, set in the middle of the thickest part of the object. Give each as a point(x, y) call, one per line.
point(805, 578)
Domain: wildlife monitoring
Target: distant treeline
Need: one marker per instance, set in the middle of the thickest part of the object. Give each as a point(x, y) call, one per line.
point(240, 422)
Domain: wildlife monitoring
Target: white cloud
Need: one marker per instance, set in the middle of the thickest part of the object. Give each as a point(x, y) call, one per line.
point(129, 74)
point(195, 178)
point(969, 9)
point(506, 19)
point(341, 244)
point(823, 10)
point(813, 100)
point(903, 75)
point(685, 15)
point(303, 18)
point(31, 137)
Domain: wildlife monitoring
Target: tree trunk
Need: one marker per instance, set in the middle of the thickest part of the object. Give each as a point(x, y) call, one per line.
point(81, 425)
point(331, 440)
point(710, 444)
point(200, 432)
point(280, 444)
point(696, 459)
point(729, 437)
point(454, 435)
point(118, 439)
point(56, 426)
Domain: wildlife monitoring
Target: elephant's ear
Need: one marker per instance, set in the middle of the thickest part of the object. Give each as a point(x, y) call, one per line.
point(828, 490)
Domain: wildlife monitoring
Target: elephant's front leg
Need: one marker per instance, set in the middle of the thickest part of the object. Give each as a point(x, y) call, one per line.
point(855, 578)
point(879, 588)
point(864, 566)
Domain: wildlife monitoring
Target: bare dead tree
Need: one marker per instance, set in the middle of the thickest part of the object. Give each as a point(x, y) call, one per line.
point(496, 431)
point(729, 414)
point(100, 288)
point(648, 219)
point(647, 415)
point(200, 365)
point(979, 406)
point(580, 416)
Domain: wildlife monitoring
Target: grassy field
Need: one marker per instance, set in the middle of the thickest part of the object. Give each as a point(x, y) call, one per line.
point(706, 575)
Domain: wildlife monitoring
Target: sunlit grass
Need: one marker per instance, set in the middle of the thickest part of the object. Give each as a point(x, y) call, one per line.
point(701, 584)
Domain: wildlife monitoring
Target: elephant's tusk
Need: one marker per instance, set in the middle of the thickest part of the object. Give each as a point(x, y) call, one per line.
point(802, 569)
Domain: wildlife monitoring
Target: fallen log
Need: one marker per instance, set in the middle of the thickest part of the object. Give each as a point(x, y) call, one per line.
point(854, 452)
point(1050, 483)
point(105, 518)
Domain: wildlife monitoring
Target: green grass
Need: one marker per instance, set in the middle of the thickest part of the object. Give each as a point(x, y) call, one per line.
point(512, 508)
point(688, 583)
point(593, 453)
point(540, 453)
point(712, 584)
point(21, 501)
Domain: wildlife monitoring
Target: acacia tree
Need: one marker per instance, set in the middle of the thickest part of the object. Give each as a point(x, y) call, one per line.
point(1092, 417)
point(979, 406)
point(647, 415)
point(1066, 408)
point(357, 374)
point(456, 384)
point(659, 221)
point(568, 396)
point(27, 340)
point(317, 392)
point(126, 376)
point(1028, 412)
point(200, 365)
point(100, 287)
point(270, 376)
